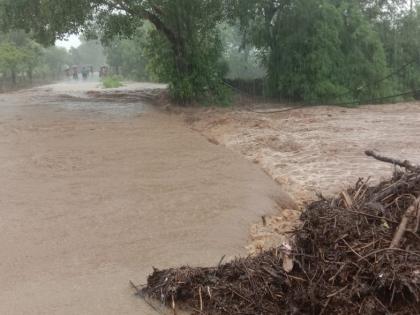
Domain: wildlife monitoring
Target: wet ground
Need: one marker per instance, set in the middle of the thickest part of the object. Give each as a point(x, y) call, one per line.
point(98, 186)
point(94, 193)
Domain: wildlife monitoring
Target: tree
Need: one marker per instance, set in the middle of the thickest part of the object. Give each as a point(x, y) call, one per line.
point(405, 52)
point(365, 68)
point(242, 59)
point(90, 52)
point(22, 59)
point(33, 54)
point(10, 60)
point(55, 59)
point(184, 30)
point(128, 56)
point(315, 51)
point(20, 54)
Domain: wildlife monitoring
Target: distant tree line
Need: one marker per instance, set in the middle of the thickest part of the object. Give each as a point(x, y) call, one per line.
point(23, 61)
point(311, 51)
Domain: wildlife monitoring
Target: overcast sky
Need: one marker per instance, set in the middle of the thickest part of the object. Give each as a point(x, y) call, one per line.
point(71, 41)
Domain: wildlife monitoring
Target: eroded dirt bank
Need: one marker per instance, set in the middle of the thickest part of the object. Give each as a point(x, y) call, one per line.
point(93, 194)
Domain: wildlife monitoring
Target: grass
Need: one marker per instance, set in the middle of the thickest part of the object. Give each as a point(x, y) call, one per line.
point(112, 81)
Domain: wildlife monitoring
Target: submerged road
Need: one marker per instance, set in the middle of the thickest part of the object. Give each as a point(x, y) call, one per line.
point(93, 194)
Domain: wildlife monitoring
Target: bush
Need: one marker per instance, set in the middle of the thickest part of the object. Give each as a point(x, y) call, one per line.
point(111, 82)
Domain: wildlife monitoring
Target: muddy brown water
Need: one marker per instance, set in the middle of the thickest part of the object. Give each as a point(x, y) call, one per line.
point(319, 149)
point(93, 195)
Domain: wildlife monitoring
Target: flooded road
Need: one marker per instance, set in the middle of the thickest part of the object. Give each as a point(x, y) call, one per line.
point(94, 194)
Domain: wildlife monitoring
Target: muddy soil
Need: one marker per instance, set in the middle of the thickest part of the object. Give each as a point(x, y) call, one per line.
point(93, 194)
point(310, 150)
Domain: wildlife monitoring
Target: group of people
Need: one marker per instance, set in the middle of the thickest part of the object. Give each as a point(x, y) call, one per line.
point(85, 71)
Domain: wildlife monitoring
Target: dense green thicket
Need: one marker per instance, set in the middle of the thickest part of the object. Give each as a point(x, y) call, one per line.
point(312, 51)
point(400, 35)
point(328, 51)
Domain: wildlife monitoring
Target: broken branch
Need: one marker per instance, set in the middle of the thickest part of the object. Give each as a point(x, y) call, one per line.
point(403, 225)
point(406, 164)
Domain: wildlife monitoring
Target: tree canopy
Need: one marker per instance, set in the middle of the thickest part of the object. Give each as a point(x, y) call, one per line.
point(22, 59)
point(189, 48)
point(312, 51)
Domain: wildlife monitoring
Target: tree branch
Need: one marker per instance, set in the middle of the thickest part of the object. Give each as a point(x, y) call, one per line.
point(138, 10)
point(406, 164)
point(414, 208)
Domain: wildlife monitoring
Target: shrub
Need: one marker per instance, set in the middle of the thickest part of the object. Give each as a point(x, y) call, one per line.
point(112, 81)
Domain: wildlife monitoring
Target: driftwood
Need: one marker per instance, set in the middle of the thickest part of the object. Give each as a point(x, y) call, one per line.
point(406, 164)
point(405, 183)
point(411, 212)
point(342, 261)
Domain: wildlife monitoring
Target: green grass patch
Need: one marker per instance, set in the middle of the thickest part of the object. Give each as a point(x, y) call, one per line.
point(112, 82)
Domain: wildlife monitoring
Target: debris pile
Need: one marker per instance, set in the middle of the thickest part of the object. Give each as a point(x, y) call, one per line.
point(358, 253)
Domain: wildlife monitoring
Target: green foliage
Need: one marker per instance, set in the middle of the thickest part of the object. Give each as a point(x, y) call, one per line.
point(185, 29)
point(317, 51)
point(112, 81)
point(90, 52)
point(22, 59)
point(304, 52)
point(364, 66)
point(404, 51)
point(127, 56)
point(192, 61)
point(198, 79)
point(53, 61)
point(10, 58)
point(242, 60)
point(47, 20)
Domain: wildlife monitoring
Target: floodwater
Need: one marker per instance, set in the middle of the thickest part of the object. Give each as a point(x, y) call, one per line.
point(319, 149)
point(94, 193)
